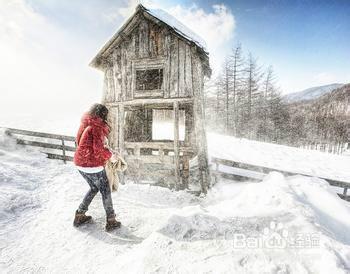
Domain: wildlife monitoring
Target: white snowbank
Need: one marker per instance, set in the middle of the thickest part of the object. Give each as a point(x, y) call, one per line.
point(281, 225)
point(203, 238)
point(16, 186)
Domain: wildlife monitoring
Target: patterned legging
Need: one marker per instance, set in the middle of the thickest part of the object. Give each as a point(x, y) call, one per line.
point(97, 182)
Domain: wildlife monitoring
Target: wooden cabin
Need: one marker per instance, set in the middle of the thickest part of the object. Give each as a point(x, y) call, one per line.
point(153, 64)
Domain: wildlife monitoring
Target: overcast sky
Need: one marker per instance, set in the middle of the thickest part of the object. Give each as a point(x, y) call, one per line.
point(46, 45)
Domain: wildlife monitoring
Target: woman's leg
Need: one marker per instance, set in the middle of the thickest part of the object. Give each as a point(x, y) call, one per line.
point(105, 190)
point(90, 179)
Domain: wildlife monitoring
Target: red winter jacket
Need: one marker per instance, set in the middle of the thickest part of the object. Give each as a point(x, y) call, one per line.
point(90, 150)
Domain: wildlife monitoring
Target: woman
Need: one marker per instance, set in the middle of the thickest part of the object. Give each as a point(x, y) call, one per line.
point(90, 158)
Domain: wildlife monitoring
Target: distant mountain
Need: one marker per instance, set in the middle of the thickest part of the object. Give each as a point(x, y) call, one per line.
point(310, 93)
point(339, 96)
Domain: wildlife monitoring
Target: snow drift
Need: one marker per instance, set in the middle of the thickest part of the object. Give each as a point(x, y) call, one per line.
point(280, 225)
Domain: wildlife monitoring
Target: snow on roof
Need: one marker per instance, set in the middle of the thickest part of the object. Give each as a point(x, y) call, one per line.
point(177, 26)
point(162, 16)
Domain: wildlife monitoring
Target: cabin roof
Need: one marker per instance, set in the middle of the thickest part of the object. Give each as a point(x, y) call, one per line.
point(178, 27)
point(155, 15)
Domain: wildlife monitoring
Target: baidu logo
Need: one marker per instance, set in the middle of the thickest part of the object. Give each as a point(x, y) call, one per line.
point(275, 236)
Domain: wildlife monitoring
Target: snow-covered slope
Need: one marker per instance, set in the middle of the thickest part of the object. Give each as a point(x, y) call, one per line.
point(310, 93)
point(284, 158)
point(280, 225)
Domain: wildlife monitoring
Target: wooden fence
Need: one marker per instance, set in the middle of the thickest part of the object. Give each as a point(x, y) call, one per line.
point(45, 141)
point(237, 170)
point(242, 170)
point(331, 147)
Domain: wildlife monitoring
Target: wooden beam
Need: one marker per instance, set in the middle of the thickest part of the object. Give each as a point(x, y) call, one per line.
point(344, 197)
point(63, 151)
point(158, 145)
point(149, 159)
point(241, 173)
point(224, 162)
point(148, 93)
point(147, 101)
point(113, 122)
point(237, 171)
point(189, 141)
point(176, 145)
point(161, 153)
point(198, 116)
point(59, 157)
point(40, 134)
point(189, 138)
point(44, 145)
point(121, 136)
point(265, 170)
point(153, 145)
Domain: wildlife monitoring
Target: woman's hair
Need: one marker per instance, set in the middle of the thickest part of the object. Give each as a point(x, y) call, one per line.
point(100, 111)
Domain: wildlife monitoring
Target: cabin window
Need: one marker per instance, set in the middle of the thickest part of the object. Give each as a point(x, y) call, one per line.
point(163, 124)
point(149, 79)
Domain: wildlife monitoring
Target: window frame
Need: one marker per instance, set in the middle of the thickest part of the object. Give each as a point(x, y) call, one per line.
point(148, 64)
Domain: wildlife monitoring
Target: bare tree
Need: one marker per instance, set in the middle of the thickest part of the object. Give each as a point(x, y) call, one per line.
point(252, 94)
point(237, 62)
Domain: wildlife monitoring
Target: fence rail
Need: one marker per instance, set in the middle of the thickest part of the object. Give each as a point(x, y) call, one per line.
point(40, 134)
point(44, 142)
point(331, 147)
point(237, 169)
point(241, 170)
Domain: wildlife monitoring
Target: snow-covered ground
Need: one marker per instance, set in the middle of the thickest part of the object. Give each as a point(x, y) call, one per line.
point(285, 158)
point(280, 225)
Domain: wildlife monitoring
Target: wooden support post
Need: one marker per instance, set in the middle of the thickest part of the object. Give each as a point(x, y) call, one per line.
point(189, 141)
point(189, 138)
point(345, 191)
point(185, 170)
point(121, 136)
point(148, 125)
point(63, 151)
point(161, 153)
point(137, 151)
point(113, 122)
point(216, 169)
point(176, 145)
point(198, 113)
point(137, 162)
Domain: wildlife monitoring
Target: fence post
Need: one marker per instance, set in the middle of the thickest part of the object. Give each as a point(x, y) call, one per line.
point(161, 153)
point(216, 170)
point(345, 191)
point(63, 151)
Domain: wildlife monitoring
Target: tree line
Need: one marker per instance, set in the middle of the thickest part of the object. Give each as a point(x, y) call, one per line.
point(322, 124)
point(245, 101)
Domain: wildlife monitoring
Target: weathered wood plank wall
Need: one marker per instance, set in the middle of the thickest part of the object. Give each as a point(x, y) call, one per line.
point(149, 41)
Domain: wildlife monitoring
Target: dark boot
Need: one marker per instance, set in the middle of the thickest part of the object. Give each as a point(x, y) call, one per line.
point(80, 218)
point(112, 223)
